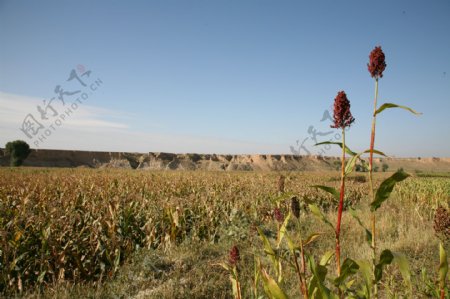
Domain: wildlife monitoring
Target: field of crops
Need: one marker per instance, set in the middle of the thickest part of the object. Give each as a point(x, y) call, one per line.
point(120, 233)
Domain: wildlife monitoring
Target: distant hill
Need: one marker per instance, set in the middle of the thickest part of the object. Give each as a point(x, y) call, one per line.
point(168, 161)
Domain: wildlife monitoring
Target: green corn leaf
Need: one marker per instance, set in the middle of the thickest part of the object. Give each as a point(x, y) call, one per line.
point(283, 229)
point(330, 190)
point(326, 258)
point(291, 245)
point(443, 266)
point(224, 265)
point(319, 271)
point(271, 287)
point(270, 252)
point(316, 211)
point(375, 152)
point(349, 267)
point(347, 150)
point(403, 265)
point(316, 284)
point(365, 268)
point(352, 162)
point(311, 238)
point(386, 257)
point(391, 105)
point(386, 187)
point(314, 290)
point(267, 247)
point(349, 284)
point(368, 232)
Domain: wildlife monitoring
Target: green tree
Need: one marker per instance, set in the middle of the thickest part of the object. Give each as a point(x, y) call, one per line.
point(384, 167)
point(18, 150)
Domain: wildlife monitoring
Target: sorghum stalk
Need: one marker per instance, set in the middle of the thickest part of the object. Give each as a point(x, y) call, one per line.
point(300, 278)
point(238, 284)
point(234, 258)
point(295, 209)
point(302, 271)
point(342, 119)
point(372, 193)
point(341, 206)
point(376, 68)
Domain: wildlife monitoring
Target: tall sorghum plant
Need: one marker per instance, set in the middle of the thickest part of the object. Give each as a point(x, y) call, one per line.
point(342, 118)
point(376, 67)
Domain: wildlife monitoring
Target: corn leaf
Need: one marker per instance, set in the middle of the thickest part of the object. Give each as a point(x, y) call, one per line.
point(330, 190)
point(403, 265)
point(391, 105)
point(283, 229)
point(326, 257)
point(386, 187)
point(316, 211)
point(271, 287)
point(386, 258)
point(365, 268)
point(311, 238)
point(271, 253)
point(224, 265)
point(367, 231)
point(291, 245)
point(347, 150)
point(352, 162)
point(316, 284)
point(349, 267)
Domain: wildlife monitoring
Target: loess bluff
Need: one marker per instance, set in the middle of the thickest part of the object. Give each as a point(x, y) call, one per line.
point(169, 161)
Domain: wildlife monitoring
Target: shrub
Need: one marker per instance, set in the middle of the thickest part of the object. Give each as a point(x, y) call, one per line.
point(18, 150)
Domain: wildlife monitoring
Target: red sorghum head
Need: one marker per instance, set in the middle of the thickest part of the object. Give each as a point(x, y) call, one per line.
point(295, 207)
point(442, 223)
point(234, 255)
point(342, 116)
point(376, 63)
point(278, 215)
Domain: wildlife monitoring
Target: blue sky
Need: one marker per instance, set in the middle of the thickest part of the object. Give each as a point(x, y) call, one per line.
point(225, 76)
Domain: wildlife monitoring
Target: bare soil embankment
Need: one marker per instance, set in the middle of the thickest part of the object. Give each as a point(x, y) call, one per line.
point(169, 161)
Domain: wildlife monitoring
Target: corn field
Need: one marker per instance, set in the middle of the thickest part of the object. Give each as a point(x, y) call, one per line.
point(80, 225)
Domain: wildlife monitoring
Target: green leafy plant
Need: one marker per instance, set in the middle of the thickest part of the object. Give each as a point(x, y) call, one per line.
point(18, 150)
point(342, 119)
point(231, 267)
point(376, 67)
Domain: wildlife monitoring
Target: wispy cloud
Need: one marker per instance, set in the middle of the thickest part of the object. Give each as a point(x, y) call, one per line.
point(102, 129)
point(14, 108)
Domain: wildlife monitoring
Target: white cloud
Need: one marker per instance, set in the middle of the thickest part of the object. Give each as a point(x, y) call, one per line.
point(91, 128)
point(14, 108)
